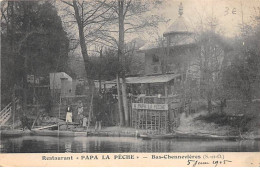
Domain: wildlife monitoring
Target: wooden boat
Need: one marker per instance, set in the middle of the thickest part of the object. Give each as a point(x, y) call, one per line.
point(206, 136)
point(157, 136)
point(14, 133)
point(178, 134)
point(58, 133)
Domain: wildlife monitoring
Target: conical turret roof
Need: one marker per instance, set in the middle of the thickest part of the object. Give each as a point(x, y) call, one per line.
point(180, 25)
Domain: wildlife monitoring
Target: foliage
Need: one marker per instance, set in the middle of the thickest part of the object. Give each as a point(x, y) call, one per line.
point(242, 124)
point(33, 41)
point(241, 79)
point(207, 65)
point(104, 67)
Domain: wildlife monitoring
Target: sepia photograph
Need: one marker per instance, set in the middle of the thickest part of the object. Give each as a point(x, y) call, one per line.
point(129, 76)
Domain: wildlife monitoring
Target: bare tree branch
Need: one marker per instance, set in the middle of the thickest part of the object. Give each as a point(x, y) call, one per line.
point(67, 3)
point(127, 6)
point(94, 12)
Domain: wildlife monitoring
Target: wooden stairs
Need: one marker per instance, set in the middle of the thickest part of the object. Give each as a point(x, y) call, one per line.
point(6, 113)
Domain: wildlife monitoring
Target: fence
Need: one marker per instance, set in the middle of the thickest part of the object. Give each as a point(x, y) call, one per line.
point(154, 114)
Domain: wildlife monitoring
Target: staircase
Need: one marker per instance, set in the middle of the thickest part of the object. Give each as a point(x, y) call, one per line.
point(6, 113)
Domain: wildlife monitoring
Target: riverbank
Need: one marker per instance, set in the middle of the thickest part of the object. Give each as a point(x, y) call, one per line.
point(214, 124)
point(122, 132)
point(191, 126)
point(106, 131)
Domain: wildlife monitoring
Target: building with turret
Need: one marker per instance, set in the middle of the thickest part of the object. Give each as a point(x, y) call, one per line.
point(169, 56)
point(182, 52)
point(180, 70)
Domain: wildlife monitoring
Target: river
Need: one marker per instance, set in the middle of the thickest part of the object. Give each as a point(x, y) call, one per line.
point(45, 144)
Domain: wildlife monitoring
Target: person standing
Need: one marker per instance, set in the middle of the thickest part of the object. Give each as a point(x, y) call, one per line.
point(100, 110)
point(23, 118)
point(68, 115)
point(85, 122)
point(98, 121)
point(80, 113)
point(25, 122)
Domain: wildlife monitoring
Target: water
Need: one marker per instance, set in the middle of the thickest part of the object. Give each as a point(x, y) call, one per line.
point(43, 144)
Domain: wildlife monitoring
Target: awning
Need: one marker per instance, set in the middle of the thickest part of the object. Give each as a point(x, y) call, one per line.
point(151, 79)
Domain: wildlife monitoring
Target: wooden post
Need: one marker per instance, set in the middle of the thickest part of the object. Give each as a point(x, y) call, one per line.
point(120, 109)
point(146, 120)
point(151, 121)
point(59, 107)
point(166, 121)
point(142, 117)
point(130, 111)
point(136, 118)
point(154, 123)
point(139, 118)
point(166, 89)
point(37, 110)
point(13, 105)
point(90, 108)
point(159, 126)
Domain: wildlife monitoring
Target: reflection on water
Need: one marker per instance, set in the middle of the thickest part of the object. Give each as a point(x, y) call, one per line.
point(68, 147)
point(43, 144)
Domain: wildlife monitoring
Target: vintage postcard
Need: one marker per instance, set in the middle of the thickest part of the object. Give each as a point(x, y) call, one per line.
point(144, 83)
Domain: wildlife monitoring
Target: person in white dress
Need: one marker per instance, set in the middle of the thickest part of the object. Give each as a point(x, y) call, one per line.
point(68, 115)
point(85, 122)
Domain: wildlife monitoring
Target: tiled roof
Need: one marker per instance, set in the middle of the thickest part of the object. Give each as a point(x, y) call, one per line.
point(148, 79)
point(179, 26)
point(151, 79)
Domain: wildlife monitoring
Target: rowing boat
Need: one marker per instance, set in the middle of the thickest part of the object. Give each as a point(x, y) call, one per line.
point(58, 133)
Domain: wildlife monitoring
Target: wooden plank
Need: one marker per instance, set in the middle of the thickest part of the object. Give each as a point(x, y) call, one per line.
point(45, 127)
point(38, 115)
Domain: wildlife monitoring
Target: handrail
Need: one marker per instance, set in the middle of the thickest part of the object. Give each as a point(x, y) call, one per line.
point(7, 106)
point(5, 114)
point(5, 117)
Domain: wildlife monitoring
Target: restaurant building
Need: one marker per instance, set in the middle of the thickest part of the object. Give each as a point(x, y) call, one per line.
point(172, 78)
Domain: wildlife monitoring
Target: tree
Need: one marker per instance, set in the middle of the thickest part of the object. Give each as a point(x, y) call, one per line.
point(241, 78)
point(132, 17)
point(105, 65)
point(90, 16)
point(102, 16)
point(40, 45)
point(206, 65)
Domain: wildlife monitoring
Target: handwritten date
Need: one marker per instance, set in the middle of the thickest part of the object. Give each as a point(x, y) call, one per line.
point(195, 163)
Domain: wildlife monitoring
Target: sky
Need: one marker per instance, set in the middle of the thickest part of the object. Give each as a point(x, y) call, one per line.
point(227, 12)
point(194, 11)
